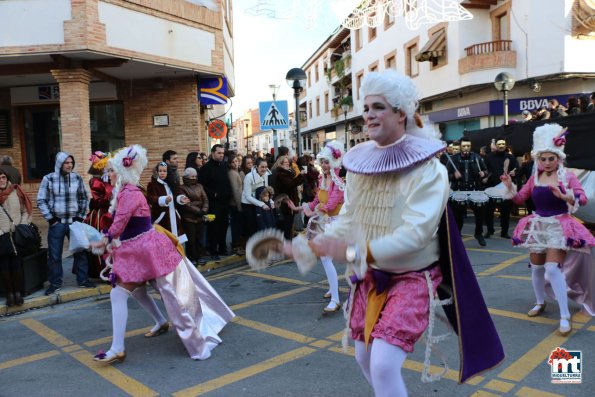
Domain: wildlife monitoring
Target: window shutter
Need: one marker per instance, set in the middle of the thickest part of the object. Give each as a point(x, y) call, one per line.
point(5, 133)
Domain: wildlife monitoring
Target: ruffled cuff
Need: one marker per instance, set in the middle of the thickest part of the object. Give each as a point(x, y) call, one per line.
point(302, 254)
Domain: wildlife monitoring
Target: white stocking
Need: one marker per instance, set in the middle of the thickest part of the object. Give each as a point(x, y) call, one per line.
point(119, 297)
point(559, 286)
point(362, 356)
point(385, 368)
point(331, 275)
point(538, 280)
point(148, 303)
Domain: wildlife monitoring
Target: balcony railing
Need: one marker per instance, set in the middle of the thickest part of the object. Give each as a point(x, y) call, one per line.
point(489, 47)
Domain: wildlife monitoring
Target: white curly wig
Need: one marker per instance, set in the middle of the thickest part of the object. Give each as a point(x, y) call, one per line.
point(400, 92)
point(333, 153)
point(128, 164)
point(544, 140)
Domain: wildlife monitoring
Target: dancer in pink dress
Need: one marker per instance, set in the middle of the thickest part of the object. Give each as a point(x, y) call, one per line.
point(551, 231)
point(139, 253)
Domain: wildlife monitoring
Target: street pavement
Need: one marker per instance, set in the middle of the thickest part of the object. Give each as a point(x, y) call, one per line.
point(281, 343)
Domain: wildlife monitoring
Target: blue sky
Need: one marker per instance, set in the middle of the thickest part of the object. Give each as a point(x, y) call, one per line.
point(266, 48)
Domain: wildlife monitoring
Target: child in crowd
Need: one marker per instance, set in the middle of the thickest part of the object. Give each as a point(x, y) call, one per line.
point(265, 217)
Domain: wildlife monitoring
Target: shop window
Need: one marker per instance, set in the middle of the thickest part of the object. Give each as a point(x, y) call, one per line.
point(42, 138)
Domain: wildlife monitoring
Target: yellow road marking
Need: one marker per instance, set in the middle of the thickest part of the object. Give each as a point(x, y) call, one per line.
point(503, 265)
point(483, 393)
point(321, 344)
point(268, 298)
point(269, 329)
point(71, 348)
point(336, 337)
point(524, 278)
point(538, 355)
point(28, 359)
point(227, 273)
point(275, 278)
point(521, 316)
point(581, 317)
point(529, 392)
point(244, 373)
point(108, 339)
point(114, 376)
point(48, 334)
point(500, 386)
point(492, 251)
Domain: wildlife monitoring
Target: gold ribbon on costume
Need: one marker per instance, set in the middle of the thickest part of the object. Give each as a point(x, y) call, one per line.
point(170, 235)
point(374, 307)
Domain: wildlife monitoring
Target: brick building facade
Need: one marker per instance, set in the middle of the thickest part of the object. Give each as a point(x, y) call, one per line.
point(83, 75)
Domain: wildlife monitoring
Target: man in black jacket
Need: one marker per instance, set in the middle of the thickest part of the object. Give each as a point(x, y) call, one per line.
point(498, 162)
point(465, 173)
point(213, 177)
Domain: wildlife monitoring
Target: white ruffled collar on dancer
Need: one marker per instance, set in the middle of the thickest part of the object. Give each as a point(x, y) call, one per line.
point(369, 158)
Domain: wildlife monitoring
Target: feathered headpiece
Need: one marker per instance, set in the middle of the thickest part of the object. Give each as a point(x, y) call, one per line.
point(129, 163)
point(549, 138)
point(333, 153)
point(99, 160)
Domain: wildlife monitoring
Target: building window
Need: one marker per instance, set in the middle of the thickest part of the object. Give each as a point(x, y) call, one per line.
point(373, 67)
point(501, 22)
point(316, 76)
point(326, 102)
point(371, 31)
point(411, 50)
point(390, 60)
point(389, 20)
point(358, 39)
point(42, 137)
point(317, 106)
point(309, 78)
point(358, 82)
point(310, 109)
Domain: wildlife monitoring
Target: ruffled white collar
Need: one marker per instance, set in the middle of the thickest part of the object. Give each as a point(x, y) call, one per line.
point(369, 158)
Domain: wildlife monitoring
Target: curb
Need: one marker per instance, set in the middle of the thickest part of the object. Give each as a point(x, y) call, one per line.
point(69, 294)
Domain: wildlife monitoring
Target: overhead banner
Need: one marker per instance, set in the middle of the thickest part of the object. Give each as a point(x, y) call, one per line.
point(213, 91)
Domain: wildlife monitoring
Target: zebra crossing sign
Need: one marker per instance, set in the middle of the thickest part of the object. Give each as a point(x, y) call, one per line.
point(273, 115)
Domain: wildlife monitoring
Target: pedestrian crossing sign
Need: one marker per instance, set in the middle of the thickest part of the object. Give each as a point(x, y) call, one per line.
point(273, 115)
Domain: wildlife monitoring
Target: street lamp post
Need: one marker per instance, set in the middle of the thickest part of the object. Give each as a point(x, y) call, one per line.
point(296, 79)
point(504, 83)
point(345, 108)
point(274, 90)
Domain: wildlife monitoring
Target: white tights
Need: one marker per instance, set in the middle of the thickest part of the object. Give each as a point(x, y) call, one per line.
point(538, 281)
point(331, 275)
point(119, 298)
point(558, 282)
point(381, 366)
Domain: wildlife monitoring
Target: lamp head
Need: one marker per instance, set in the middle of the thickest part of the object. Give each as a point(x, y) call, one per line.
point(296, 79)
point(504, 81)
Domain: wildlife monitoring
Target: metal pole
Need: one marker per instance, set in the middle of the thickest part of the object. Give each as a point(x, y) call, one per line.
point(296, 95)
point(229, 130)
point(505, 107)
point(346, 137)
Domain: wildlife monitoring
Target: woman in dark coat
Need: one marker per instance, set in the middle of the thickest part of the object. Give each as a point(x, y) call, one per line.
point(287, 182)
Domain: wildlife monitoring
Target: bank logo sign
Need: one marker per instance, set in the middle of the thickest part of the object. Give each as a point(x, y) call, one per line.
point(566, 365)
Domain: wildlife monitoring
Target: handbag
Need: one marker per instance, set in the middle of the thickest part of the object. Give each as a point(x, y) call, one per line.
point(25, 238)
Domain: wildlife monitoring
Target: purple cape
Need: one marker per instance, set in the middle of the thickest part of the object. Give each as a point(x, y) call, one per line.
point(480, 348)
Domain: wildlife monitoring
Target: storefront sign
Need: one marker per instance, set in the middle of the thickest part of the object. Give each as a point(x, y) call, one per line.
point(463, 112)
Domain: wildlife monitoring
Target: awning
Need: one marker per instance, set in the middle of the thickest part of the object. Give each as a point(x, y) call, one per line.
point(434, 48)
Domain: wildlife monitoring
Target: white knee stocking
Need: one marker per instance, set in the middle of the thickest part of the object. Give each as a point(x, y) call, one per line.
point(538, 280)
point(148, 303)
point(559, 286)
point(331, 275)
point(119, 297)
point(362, 356)
point(386, 361)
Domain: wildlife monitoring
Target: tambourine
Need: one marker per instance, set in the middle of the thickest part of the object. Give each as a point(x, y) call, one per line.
point(263, 247)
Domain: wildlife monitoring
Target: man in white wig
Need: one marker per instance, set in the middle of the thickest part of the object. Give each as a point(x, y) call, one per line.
point(388, 233)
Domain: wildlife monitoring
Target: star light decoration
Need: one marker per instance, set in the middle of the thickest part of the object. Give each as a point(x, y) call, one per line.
point(416, 12)
point(363, 13)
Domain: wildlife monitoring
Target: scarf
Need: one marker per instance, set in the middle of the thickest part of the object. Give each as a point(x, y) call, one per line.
point(23, 198)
